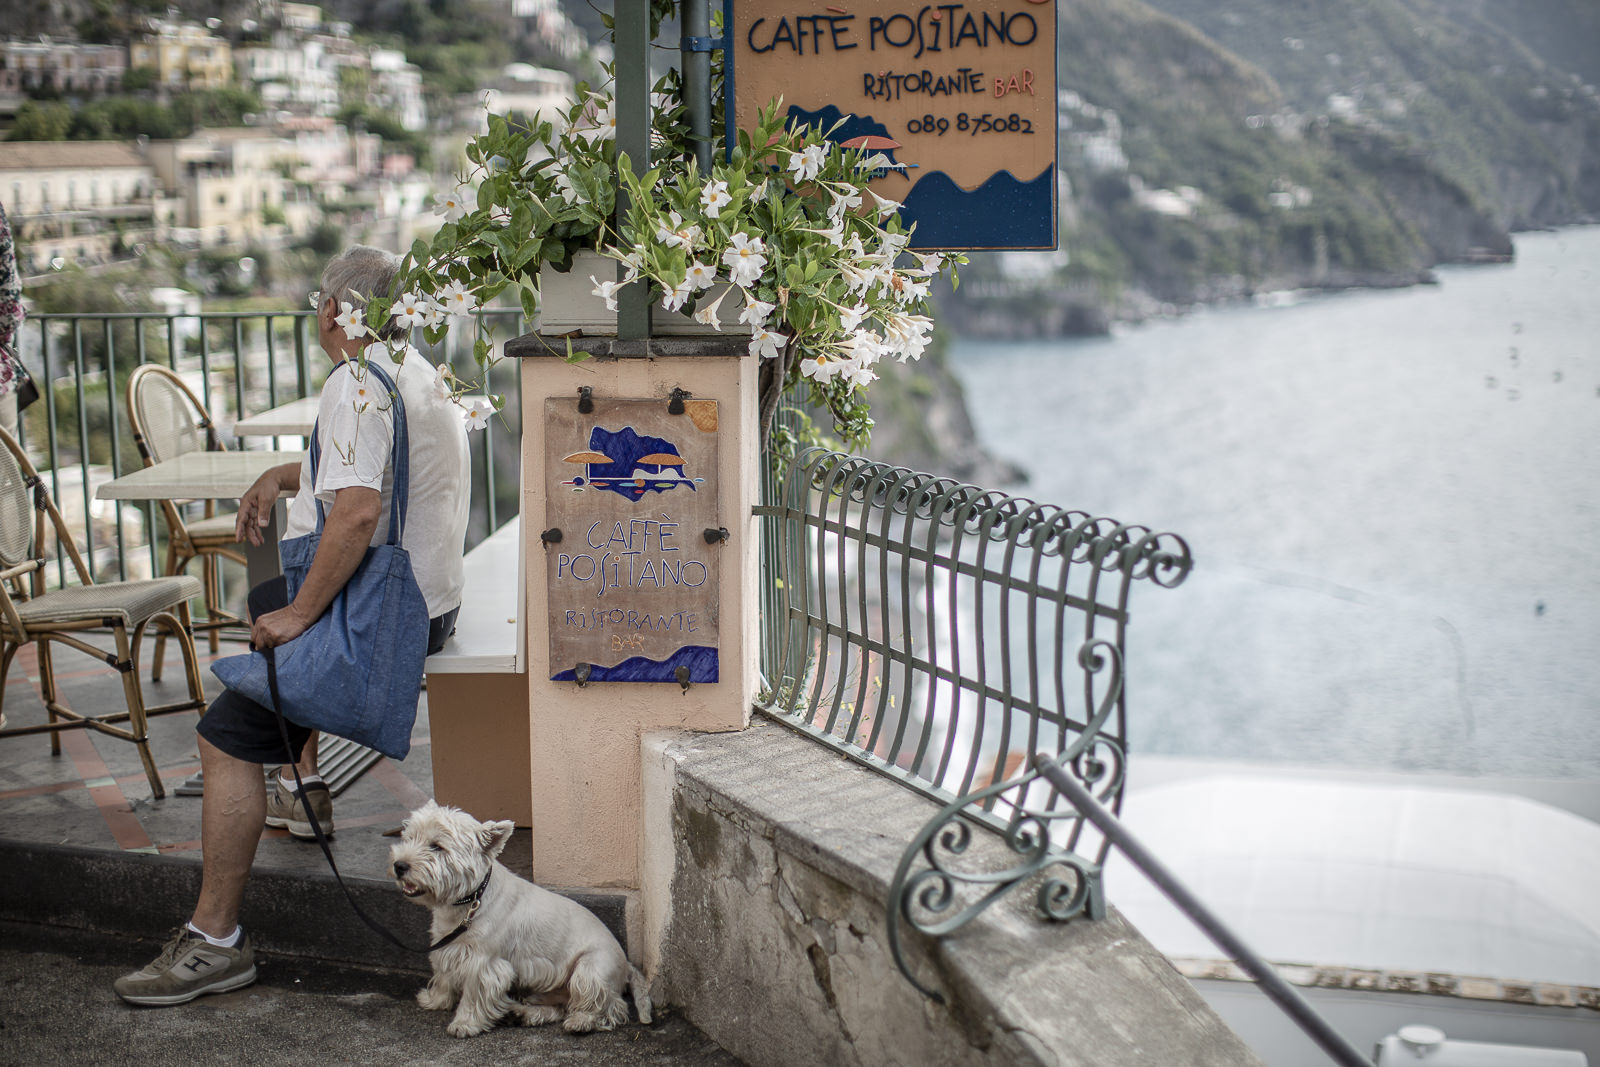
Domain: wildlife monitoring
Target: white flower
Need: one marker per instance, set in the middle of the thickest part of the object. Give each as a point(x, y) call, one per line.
point(354, 325)
point(905, 336)
point(456, 299)
point(715, 198)
point(807, 163)
point(756, 311)
point(858, 374)
point(763, 342)
point(674, 234)
point(607, 291)
point(634, 261)
point(441, 381)
point(844, 201)
point(433, 311)
point(834, 234)
point(745, 259)
point(700, 276)
point(454, 204)
point(850, 318)
point(822, 368)
point(859, 279)
point(893, 243)
point(605, 125)
point(758, 193)
point(410, 310)
point(475, 412)
point(675, 299)
point(707, 316)
point(565, 187)
point(886, 207)
point(932, 262)
point(864, 347)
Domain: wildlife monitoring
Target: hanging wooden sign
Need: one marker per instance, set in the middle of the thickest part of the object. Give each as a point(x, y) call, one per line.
point(960, 100)
point(632, 577)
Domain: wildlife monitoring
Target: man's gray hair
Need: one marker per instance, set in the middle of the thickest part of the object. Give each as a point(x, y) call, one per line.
point(359, 273)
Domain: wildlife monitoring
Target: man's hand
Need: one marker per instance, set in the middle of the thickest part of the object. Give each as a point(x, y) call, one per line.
point(279, 627)
point(255, 507)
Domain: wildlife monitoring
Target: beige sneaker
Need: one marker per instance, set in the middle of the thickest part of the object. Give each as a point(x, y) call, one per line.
point(188, 967)
point(286, 812)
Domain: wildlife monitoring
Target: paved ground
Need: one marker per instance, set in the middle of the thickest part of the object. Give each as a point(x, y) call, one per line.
point(57, 1007)
point(85, 847)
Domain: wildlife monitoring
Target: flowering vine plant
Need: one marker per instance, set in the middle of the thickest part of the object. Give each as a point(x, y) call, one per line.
point(779, 242)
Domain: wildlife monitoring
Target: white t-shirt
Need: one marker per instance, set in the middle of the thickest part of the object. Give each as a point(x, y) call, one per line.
point(355, 426)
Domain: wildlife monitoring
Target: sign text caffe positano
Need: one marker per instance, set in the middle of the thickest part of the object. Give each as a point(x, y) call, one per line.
point(960, 99)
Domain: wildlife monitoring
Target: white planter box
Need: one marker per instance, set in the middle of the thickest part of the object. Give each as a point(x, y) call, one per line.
point(568, 304)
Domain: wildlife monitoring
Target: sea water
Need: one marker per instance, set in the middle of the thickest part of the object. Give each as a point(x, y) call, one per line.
point(1393, 502)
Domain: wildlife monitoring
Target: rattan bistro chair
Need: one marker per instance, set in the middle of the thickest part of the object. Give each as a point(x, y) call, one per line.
point(169, 421)
point(31, 615)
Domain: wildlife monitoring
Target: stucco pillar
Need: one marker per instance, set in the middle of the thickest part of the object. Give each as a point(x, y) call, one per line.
point(584, 765)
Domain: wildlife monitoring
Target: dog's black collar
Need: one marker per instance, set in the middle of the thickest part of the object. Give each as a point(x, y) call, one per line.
point(473, 901)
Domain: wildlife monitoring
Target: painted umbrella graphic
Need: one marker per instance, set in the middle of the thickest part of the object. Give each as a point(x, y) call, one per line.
point(587, 458)
point(870, 143)
point(659, 460)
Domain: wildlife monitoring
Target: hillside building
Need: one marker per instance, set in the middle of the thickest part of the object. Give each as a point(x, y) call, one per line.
point(80, 202)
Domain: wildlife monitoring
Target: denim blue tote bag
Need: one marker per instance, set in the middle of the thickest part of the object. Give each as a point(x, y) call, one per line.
point(357, 672)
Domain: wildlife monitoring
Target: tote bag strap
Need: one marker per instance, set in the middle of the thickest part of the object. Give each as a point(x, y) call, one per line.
point(400, 460)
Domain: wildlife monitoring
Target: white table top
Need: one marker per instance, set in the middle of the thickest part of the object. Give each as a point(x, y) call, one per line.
point(296, 418)
point(196, 476)
point(489, 631)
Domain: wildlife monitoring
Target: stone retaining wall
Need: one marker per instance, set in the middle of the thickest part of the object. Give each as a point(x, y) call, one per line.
point(767, 865)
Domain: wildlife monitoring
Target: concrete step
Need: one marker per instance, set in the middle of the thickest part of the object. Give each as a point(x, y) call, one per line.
point(301, 913)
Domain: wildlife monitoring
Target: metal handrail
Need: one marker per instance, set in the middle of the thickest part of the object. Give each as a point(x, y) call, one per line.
point(1338, 1048)
point(239, 361)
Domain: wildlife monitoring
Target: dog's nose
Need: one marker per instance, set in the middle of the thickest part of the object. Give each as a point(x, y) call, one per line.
point(400, 868)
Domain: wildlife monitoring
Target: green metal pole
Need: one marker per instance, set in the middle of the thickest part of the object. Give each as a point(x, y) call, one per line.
point(632, 47)
point(697, 77)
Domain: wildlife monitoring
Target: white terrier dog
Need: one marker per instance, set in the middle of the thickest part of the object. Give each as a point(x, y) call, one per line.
point(503, 946)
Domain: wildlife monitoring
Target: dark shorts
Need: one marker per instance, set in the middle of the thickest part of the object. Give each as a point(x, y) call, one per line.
point(248, 731)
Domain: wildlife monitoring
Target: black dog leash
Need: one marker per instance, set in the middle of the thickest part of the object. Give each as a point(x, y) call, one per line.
point(473, 901)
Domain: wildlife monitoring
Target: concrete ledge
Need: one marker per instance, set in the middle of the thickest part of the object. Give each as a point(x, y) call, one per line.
point(774, 936)
point(546, 346)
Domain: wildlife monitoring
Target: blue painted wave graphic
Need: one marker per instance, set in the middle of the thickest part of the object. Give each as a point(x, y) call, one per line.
point(1003, 212)
point(701, 661)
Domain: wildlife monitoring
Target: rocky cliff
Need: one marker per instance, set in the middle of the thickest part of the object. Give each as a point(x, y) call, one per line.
point(1212, 151)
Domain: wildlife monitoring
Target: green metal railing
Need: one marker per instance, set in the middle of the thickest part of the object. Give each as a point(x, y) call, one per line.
point(238, 363)
point(942, 634)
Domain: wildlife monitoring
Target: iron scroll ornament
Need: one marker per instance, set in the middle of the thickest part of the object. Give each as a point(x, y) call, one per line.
point(929, 899)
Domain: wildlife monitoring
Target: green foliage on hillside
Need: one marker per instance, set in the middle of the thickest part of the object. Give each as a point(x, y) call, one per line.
point(124, 117)
point(1457, 80)
point(1316, 143)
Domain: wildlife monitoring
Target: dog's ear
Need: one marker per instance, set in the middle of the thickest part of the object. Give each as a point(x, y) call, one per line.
point(494, 836)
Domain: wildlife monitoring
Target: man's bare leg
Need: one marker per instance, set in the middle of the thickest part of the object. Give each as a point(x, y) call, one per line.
point(231, 816)
point(308, 759)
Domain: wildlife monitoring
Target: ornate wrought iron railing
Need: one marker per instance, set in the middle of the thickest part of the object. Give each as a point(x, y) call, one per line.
point(941, 634)
point(239, 363)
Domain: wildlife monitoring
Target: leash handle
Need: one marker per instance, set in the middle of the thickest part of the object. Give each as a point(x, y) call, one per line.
point(316, 828)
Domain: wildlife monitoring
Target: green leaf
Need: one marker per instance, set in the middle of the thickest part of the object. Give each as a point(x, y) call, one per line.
point(578, 356)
